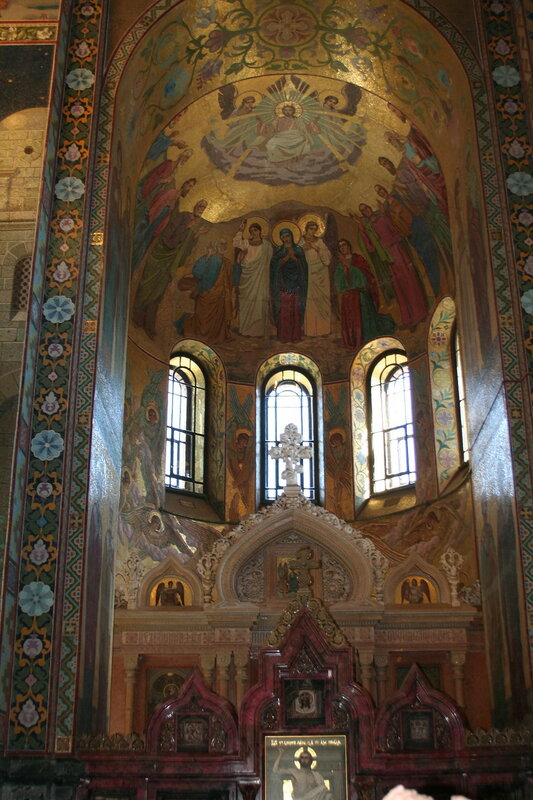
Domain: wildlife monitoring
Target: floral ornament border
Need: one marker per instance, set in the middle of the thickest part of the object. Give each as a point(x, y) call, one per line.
point(57, 341)
point(234, 40)
point(443, 392)
point(502, 19)
point(29, 33)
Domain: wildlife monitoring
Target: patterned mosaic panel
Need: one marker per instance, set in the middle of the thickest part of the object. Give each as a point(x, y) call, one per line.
point(510, 65)
point(51, 560)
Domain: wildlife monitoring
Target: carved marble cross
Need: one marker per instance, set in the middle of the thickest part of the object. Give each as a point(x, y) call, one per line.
point(302, 566)
point(291, 451)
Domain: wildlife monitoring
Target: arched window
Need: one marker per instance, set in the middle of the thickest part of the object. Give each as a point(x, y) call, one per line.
point(392, 449)
point(20, 294)
point(289, 396)
point(186, 413)
point(462, 432)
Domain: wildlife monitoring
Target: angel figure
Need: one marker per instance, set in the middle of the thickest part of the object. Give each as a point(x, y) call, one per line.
point(414, 591)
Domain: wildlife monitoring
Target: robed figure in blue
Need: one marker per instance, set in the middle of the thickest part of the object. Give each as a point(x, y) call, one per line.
point(288, 287)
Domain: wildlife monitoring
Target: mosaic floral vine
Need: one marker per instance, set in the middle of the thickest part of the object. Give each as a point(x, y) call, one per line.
point(510, 93)
point(39, 578)
point(235, 39)
point(443, 391)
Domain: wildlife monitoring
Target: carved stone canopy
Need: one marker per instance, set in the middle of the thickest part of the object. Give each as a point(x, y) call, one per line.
point(363, 564)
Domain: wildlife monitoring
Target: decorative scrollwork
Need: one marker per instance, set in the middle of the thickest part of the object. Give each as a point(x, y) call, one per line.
point(270, 716)
point(114, 742)
point(320, 614)
point(339, 715)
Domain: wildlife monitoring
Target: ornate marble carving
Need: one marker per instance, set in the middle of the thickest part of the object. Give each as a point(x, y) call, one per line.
point(442, 734)
point(521, 735)
point(129, 574)
point(208, 563)
point(335, 579)
point(167, 737)
point(304, 663)
point(291, 451)
point(270, 716)
point(217, 743)
point(451, 562)
point(114, 742)
point(339, 715)
point(322, 617)
point(251, 580)
point(471, 594)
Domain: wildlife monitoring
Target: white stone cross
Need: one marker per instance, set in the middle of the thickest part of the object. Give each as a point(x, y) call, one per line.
point(291, 451)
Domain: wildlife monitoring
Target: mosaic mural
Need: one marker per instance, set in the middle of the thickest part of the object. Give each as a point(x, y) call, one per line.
point(55, 419)
point(352, 275)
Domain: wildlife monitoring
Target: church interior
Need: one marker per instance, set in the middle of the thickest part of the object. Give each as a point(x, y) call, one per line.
point(266, 431)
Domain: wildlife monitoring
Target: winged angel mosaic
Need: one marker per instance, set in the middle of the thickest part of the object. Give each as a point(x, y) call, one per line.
point(289, 134)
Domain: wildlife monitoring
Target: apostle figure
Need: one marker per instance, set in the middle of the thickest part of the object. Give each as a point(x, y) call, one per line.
point(317, 320)
point(212, 295)
point(167, 255)
point(359, 299)
point(252, 270)
point(378, 227)
point(288, 286)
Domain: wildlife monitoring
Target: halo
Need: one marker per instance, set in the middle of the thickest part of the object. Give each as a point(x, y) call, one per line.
point(240, 97)
point(151, 406)
point(292, 226)
point(299, 752)
point(278, 110)
point(247, 431)
point(329, 93)
point(261, 221)
point(321, 225)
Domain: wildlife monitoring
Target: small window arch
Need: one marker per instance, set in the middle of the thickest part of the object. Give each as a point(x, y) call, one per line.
point(186, 419)
point(20, 294)
point(289, 396)
point(392, 450)
point(462, 432)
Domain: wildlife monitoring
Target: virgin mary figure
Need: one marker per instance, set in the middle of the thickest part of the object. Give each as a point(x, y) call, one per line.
point(288, 287)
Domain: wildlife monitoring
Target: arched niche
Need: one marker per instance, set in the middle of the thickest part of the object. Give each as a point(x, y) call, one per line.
point(316, 527)
point(197, 723)
point(418, 566)
point(170, 566)
point(419, 717)
point(132, 130)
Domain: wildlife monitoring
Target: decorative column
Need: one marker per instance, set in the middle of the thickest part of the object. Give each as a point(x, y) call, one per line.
point(240, 659)
point(207, 665)
point(381, 663)
point(366, 662)
point(131, 662)
point(223, 664)
point(457, 660)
